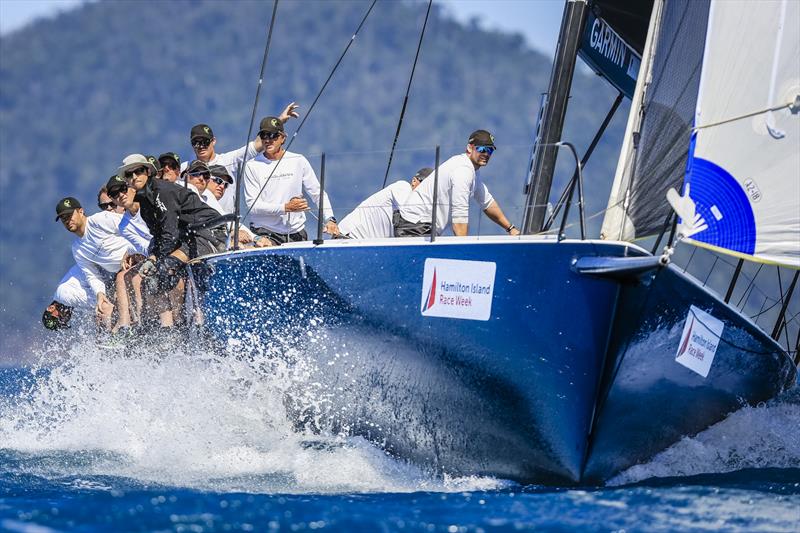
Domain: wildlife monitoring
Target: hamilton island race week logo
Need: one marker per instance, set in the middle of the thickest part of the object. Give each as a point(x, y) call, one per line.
point(457, 289)
point(699, 341)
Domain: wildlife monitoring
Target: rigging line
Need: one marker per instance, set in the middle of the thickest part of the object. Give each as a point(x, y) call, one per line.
point(747, 115)
point(310, 109)
point(752, 280)
point(240, 173)
point(405, 99)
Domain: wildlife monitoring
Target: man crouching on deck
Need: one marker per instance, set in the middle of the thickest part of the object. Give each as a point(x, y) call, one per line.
point(169, 210)
point(458, 181)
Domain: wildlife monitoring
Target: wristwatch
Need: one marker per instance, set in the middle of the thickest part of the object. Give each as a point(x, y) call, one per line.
point(508, 229)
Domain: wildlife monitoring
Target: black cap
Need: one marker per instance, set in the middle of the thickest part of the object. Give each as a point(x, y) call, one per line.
point(115, 183)
point(201, 131)
point(422, 173)
point(221, 172)
point(197, 166)
point(153, 161)
point(170, 155)
point(482, 138)
point(67, 205)
point(57, 321)
point(270, 125)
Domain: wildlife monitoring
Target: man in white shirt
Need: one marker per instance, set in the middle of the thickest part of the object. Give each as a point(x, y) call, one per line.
point(203, 142)
point(99, 249)
point(373, 218)
point(274, 184)
point(458, 182)
point(220, 180)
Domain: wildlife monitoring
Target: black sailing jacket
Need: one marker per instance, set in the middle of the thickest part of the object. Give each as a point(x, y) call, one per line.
point(167, 209)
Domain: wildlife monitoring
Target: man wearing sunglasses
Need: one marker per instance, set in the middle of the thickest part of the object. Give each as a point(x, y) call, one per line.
point(170, 166)
point(196, 178)
point(274, 184)
point(220, 181)
point(203, 143)
point(72, 292)
point(98, 250)
point(458, 181)
point(169, 210)
point(106, 203)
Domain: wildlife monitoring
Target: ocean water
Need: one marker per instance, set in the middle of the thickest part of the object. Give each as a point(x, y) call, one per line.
point(91, 440)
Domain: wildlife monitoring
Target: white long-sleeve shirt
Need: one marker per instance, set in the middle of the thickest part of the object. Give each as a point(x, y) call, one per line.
point(100, 251)
point(292, 176)
point(373, 217)
point(73, 289)
point(458, 181)
point(231, 161)
point(135, 231)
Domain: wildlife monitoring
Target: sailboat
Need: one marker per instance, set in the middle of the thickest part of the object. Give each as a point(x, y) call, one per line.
point(542, 358)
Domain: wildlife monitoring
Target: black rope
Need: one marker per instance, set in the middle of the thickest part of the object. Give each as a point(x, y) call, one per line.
point(749, 285)
point(310, 109)
point(240, 173)
point(405, 99)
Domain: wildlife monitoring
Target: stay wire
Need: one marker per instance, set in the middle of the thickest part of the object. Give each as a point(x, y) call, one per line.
point(405, 99)
point(311, 108)
point(240, 173)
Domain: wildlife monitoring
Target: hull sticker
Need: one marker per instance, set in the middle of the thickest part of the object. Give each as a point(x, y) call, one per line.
point(457, 289)
point(699, 341)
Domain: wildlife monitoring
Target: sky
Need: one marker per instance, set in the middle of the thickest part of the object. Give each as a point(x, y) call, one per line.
point(537, 20)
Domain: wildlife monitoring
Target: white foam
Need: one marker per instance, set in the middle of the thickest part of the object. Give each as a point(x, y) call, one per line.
point(753, 437)
point(196, 420)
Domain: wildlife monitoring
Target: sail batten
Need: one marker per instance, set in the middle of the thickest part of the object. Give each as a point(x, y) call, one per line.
point(743, 172)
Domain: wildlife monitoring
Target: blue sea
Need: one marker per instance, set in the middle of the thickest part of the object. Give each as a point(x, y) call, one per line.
point(91, 440)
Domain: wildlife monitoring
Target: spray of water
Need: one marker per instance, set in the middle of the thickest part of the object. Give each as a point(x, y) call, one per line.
point(199, 419)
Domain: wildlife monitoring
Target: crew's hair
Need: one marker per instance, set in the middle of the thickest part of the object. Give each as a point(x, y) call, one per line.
point(102, 191)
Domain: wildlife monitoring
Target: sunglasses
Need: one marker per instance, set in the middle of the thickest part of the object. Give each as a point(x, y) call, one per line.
point(269, 136)
point(485, 149)
point(136, 171)
point(115, 193)
point(106, 205)
point(200, 144)
point(204, 175)
point(219, 181)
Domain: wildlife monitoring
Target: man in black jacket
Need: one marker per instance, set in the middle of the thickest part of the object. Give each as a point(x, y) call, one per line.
point(170, 211)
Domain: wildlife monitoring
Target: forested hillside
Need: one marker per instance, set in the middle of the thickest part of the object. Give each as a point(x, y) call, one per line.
point(79, 92)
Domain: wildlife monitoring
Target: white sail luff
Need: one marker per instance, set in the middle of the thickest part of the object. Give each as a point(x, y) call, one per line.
point(615, 223)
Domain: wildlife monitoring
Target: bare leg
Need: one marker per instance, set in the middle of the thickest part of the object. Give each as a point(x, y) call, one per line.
point(123, 302)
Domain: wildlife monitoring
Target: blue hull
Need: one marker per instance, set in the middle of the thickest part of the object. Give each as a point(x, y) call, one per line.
point(512, 396)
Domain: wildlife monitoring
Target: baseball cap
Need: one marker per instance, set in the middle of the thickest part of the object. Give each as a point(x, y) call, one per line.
point(270, 125)
point(422, 173)
point(197, 166)
point(201, 131)
point(59, 319)
point(221, 172)
point(67, 205)
point(481, 138)
point(170, 155)
point(153, 161)
point(114, 184)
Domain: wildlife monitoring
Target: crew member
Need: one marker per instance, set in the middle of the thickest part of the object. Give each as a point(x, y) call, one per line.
point(72, 292)
point(170, 166)
point(373, 217)
point(98, 250)
point(273, 190)
point(203, 143)
point(170, 211)
point(458, 181)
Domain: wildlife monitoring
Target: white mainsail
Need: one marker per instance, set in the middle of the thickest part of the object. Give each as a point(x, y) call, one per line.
point(743, 173)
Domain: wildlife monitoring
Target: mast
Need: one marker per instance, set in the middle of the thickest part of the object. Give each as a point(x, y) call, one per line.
point(569, 40)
